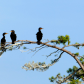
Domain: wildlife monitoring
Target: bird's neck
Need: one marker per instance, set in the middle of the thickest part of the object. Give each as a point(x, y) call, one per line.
point(3, 36)
point(39, 30)
point(12, 32)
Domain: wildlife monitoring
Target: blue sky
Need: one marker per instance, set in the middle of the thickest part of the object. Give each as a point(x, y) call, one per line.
point(57, 17)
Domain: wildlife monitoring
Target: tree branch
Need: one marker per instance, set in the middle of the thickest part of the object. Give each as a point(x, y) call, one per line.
point(62, 49)
point(70, 75)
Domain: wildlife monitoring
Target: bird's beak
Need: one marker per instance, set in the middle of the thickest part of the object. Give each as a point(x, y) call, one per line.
point(10, 31)
point(41, 28)
point(6, 33)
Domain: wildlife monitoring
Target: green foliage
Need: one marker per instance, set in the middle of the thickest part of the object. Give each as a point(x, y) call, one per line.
point(75, 77)
point(52, 79)
point(62, 39)
point(24, 48)
point(58, 77)
point(76, 54)
point(74, 81)
point(77, 46)
point(76, 43)
point(39, 63)
point(79, 74)
point(81, 59)
point(43, 63)
point(83, 62)
point(57, 42)
point(70, 70)
point(75, 68)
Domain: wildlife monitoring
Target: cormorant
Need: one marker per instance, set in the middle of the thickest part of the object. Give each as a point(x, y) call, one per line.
point(13, 36)
point(39, 35)
point(3, 41)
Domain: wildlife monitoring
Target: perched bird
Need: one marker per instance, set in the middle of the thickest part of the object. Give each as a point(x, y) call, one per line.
point(13, 36)
point(3, 41)
point(39, 35)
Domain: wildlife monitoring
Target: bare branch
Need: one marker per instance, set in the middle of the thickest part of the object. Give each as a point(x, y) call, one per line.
point(81, 56)
point(62, 49)
point(52, 53)
point(39, 49)
point(58, 57)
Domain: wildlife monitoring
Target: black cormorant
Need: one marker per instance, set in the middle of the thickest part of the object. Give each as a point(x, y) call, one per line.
point(3, 41)
point(13, 36)
point(39, 35)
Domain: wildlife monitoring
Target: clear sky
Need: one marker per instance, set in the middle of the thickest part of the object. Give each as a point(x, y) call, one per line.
point(57, 17)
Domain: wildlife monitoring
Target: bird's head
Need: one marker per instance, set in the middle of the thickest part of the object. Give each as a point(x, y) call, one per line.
point(4, 33)
point(40, 28)
point(12, 31)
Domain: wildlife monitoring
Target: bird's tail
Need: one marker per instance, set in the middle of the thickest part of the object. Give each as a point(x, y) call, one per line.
point(38, 42)
point(3, 47)
point(13, 42)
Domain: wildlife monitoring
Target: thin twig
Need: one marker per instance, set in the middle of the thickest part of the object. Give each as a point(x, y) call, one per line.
point(52, 53)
